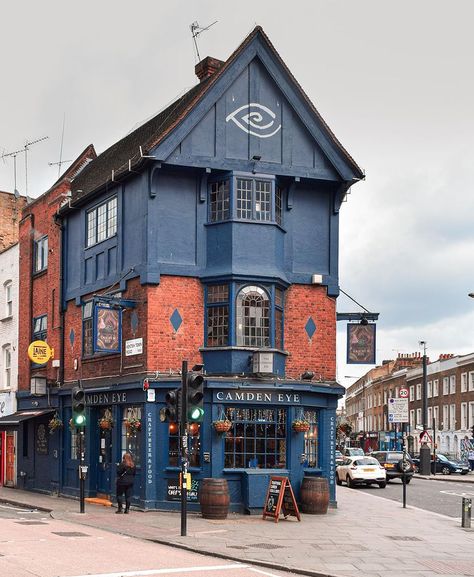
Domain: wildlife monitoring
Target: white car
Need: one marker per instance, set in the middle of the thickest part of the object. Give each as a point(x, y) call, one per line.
point(357, 470)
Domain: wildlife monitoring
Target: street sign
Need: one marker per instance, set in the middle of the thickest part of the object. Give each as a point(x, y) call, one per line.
point(404, 393)
point(398, 411)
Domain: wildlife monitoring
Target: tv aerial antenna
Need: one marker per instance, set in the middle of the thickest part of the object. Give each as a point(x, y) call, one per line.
point(196, 30)
point(24, 150)
point(61, 161)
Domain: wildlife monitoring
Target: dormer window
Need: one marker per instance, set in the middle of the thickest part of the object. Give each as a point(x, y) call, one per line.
point(101, 222)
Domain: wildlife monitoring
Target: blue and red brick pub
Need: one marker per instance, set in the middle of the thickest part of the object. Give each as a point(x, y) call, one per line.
point(208, 234)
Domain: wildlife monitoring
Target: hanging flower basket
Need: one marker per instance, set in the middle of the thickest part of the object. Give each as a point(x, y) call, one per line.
point(106, 423)
point(300, 426)
point(54, 424)
point(222, 426)
point(133, 425)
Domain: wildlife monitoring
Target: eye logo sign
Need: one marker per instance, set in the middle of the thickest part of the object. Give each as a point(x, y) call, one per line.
point(250, 119)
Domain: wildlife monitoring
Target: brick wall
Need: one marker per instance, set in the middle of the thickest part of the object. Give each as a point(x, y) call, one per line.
point(318, 353)
point(10, 214)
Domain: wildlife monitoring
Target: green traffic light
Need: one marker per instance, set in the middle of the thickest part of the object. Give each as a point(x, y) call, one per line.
point(196, 414)
point(80, 420)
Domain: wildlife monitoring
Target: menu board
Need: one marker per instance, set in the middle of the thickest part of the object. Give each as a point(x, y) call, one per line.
point(280, 498)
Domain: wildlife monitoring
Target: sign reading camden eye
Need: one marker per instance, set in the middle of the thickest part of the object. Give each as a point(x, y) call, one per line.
point(276, 398)
point(255, 119)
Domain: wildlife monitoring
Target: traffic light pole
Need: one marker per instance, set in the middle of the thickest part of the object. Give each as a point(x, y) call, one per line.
point(81, 471)
point(184, 445)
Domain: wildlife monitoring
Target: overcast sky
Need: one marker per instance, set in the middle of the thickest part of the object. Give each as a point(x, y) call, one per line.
point(393, 79)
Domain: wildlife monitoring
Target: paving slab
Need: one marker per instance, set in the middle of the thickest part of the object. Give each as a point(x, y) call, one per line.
point(366, 536)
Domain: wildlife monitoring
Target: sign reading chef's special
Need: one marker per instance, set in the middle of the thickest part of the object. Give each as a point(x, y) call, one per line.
point(40, 352)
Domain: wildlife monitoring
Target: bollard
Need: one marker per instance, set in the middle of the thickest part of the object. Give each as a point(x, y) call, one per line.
point(466, 512)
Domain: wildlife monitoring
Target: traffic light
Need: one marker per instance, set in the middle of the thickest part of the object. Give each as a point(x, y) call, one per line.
point(171, 411)
point(78, 406)
point(195, 396)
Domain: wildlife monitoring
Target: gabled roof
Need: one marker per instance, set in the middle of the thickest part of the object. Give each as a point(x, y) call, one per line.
point(129, 152)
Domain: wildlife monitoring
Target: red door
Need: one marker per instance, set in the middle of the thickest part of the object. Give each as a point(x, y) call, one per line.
point(10, 460)
point(2, 457)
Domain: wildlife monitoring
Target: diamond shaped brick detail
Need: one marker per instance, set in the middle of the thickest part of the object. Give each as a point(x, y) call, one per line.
point(310, 328)
point(176, 320)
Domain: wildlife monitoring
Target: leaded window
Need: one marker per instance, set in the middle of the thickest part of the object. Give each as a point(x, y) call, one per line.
point(311, 439)
point(253, 317)
point(257, 438)
point(279, 304)
point(194, 445)
point(244, 198)
point(263, 200)
point(132, 435)
point(102, 222)
point(217, 315)
point(278, 205)
point(219, 201)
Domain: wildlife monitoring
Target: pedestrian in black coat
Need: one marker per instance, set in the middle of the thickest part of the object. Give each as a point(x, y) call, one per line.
point(125, 478)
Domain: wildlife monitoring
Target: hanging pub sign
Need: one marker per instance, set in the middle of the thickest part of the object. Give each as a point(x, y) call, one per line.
point(107, 329)
point(280, 499)
point(360, 344)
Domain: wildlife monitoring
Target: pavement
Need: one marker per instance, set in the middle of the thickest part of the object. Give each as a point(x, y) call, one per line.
point(365, 536)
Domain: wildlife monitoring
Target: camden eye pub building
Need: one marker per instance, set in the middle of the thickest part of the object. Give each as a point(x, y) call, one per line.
point(210, 234)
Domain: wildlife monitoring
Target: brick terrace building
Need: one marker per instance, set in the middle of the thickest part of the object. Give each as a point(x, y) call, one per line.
point(209, 234)
point(450, 391)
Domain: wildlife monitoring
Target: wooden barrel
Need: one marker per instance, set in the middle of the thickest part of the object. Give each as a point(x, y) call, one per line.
point(214, 498)
point(314, 495)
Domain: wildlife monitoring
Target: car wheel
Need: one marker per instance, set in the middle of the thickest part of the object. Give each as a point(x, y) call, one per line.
point(446, 471)
point(383, 484)
point(350, 482)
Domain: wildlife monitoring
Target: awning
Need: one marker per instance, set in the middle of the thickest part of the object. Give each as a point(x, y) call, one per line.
point(15, 419)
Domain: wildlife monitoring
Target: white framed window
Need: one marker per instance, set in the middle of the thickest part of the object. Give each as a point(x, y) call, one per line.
point(445, 385)
point(436, 416)
point(452, 384)
point(471, 414)
point(7, 367)
point(412, 419)
point(452, 417)
point(463, 382)
point(471, 381)
point(430, 389)
point(435, 388)
point(412, 392)
point(8, 290)
point(418, 417)
point(40, 254)
point(418, 391)
point(445, 422)
point(464, 416)
point(101, 222)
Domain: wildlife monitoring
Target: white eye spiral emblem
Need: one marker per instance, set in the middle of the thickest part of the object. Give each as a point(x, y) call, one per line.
point(254, 119)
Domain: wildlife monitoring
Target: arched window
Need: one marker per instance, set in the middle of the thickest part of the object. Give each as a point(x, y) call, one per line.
point(253, 317)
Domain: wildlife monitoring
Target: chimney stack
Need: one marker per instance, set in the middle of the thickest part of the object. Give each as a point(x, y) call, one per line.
point(207, 67)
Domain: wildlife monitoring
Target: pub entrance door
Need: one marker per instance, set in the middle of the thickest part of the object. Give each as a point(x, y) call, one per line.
point(105, 464)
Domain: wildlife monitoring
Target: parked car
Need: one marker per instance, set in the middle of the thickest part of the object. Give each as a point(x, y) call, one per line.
point(394, 464)
point(445, 465)
point(353, 452)
point(339, 458)
point(360, 470)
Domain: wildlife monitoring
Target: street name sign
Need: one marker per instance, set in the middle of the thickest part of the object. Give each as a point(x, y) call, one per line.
point(398, 411)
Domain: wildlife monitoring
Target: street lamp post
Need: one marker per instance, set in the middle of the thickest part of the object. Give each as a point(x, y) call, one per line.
point(425, 453)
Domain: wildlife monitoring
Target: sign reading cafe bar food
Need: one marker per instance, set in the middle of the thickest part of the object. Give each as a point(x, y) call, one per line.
point(277, 398)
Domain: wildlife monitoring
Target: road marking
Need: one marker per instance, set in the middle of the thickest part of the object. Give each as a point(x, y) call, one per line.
point(262, 572)
point(169, 570)
point(454, 494)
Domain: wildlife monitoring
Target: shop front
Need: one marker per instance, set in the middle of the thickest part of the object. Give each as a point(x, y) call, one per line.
point(262, 440)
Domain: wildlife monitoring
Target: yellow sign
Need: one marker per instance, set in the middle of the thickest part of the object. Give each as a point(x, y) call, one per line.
point(40, 352)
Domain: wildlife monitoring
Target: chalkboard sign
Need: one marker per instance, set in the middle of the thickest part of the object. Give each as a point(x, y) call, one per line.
point(280, 498)
point(174, 491)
